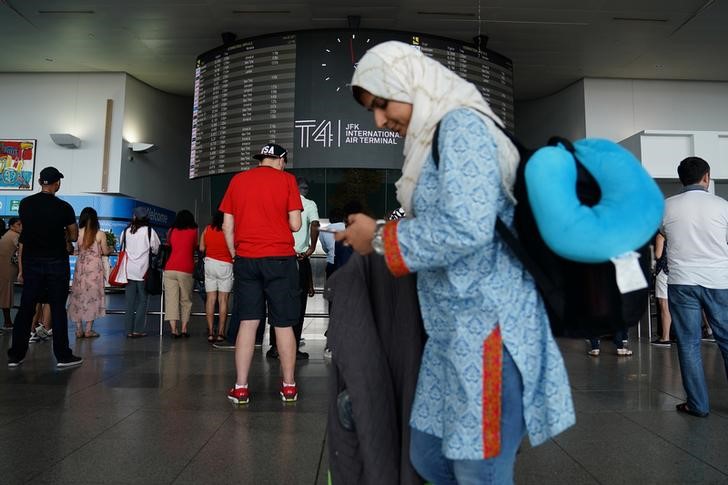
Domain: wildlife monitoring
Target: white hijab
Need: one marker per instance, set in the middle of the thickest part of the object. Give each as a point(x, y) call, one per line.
point(400, 72)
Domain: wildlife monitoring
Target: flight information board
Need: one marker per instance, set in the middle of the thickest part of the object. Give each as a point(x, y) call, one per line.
point(294, 89)
point(243, 99)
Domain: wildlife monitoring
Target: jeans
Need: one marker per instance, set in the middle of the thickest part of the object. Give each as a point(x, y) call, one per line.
point(136, 307)
point(618, 338)
point(686, 303)
point(426, 450)
point(52, 275)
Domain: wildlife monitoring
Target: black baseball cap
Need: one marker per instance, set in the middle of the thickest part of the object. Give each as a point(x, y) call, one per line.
point(50, 175)
point(271, 150)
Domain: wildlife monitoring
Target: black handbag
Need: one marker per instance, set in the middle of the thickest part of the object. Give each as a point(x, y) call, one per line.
point(199, 272)
point(153, 278)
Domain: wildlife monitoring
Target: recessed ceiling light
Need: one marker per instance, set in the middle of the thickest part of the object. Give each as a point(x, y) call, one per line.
point(639, 19)
point(64, 12)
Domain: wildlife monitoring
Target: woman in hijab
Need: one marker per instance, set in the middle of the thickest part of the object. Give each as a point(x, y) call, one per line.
point(491, 371)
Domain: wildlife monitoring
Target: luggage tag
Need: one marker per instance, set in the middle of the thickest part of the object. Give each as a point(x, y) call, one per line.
point(629, 273)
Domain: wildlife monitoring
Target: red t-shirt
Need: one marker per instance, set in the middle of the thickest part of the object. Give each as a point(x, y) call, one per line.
point(183, 242)
point(215, 245)
point(259, 200)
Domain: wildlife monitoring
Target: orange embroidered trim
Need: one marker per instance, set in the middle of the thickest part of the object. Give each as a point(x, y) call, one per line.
point(392, 254)
point(492, 388)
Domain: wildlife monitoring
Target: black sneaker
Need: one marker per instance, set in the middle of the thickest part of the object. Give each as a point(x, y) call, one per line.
point(13, 363)
point(223, 346)
point(70, 362)
point(301, 355)
point(661, 343)
point(272, 353)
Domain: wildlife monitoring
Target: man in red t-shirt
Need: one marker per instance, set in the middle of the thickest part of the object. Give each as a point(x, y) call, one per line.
point(262, 206)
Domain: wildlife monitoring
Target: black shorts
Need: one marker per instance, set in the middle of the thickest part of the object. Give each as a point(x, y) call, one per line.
point(267, 280)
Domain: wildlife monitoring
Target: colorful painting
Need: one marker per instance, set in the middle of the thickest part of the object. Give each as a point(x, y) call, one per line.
point(17, 164)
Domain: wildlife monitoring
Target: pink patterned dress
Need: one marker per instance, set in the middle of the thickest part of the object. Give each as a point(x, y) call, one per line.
point(87, 300)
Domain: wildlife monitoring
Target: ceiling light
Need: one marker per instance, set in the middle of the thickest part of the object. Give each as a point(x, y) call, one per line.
point(63, 12)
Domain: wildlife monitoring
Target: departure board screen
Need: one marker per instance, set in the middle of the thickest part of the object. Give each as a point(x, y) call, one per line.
point(294, 89)
point(244, 98)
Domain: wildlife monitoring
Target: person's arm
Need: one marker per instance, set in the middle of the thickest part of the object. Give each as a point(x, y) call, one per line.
point(294, 220)
point(314, 231)
point(72, 233)
point(659, 245)
point(154, 241)
point(101, 237)
point(202, 241)
point(20, 262)
point(228, 229)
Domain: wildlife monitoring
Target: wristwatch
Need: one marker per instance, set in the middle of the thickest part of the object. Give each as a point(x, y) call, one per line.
point(378, 241)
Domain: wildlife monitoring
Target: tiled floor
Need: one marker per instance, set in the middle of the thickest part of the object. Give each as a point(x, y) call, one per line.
point(154, 411)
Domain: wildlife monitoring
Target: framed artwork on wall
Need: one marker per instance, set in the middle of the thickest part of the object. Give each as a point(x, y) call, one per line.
point(17, 164)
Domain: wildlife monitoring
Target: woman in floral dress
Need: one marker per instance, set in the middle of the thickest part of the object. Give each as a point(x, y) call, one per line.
point(87, 302)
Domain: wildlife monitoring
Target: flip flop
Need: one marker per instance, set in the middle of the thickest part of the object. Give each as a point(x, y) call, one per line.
point(91, 334)
point(683, 408)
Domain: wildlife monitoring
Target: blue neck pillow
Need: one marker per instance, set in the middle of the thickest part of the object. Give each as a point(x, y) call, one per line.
point(625, 218)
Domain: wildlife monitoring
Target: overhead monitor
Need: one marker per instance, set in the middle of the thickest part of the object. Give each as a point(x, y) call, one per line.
point(294, 89)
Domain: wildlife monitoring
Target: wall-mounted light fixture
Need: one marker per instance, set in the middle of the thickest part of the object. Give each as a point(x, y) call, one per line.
point(143, 147)
point(65, 140)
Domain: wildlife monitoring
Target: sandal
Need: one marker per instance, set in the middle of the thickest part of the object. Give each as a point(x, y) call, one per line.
point(79, 334)
point(220, 338)
point(210, 338)
point(175, 335)
point(91, 334)
point(683, 408)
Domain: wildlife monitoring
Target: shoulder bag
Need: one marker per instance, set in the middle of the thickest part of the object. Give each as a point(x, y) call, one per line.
point(153, 278)
point(117, 276)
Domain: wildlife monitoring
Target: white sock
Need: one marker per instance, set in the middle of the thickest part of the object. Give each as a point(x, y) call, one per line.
point(244, 386)
point(289, 385)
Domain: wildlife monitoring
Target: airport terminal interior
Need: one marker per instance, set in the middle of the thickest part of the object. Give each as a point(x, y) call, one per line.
point(158, 104)
point(153, 410)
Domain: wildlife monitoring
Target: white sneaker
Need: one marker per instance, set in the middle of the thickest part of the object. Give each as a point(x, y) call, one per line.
point(42, 333)
point(34, 338)
point(327, 353)
point(624, 352)
point(594, 352)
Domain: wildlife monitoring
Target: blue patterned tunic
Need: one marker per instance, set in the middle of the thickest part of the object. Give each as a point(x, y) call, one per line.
point(468, 283)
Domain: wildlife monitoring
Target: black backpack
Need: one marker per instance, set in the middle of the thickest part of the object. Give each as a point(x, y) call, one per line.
point(582, 299)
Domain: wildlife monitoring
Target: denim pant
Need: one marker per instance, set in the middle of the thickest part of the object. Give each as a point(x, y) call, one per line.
point(136, 307)
point(686, 303)
point(52, 276)
point(619, 336)
point(426, 450)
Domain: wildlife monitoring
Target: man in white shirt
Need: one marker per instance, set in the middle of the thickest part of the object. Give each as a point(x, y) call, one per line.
point(695, 225)
point(305, 240)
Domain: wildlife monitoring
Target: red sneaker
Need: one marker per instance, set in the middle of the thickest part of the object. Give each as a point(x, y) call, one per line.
point(239, 396)
point(289, 393)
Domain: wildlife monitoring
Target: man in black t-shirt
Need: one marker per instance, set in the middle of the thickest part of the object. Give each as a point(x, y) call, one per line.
point(48, 224)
